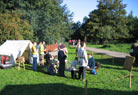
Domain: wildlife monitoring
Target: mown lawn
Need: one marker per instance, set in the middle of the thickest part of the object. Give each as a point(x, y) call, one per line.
point(107, 82)
point(125, 48)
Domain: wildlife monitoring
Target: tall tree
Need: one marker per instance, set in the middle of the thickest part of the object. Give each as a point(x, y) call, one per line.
point(106, 23)
point(132, 26)
point(49, 19)
point(75, 27)
point(12, 27)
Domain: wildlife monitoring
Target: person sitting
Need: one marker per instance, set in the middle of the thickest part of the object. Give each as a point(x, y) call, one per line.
point(51, 69)
point(73, 68)
point(48, 58)
point(49, 62)
point(91, 64)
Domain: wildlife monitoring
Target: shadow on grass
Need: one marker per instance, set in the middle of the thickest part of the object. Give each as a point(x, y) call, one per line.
point(39, 69)
point(109, 67)
point(58, 89)
point(111, 61)
point(43, 70)
point(116, 63)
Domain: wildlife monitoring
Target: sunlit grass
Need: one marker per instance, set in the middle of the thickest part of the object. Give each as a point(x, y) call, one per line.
point(108, 81)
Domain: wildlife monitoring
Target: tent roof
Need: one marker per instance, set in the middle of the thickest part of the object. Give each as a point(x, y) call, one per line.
point(13, 46)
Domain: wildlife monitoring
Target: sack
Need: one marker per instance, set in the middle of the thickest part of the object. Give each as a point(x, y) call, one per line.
point(98, 65)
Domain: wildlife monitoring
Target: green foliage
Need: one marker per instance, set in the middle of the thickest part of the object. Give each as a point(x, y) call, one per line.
point(132, 26)
point(105, 33)
point(75, 28)
point(12, 27)
point(106, 23)
point(49, 20)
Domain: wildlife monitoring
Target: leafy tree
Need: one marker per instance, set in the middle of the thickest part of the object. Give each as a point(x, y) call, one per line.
point(12, 27)
point(49, 20)
point(75, 28)
point(132, 26)
point(108, 22)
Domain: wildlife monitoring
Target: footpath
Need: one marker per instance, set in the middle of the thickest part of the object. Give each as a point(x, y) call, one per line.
point(107, 52)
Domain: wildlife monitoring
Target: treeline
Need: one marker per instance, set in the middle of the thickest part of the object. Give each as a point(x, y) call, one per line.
point(51, 21)
point(107, 24)
point(35, 20)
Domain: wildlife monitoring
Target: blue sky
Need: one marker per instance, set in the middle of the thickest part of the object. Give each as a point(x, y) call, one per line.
point(82, 8)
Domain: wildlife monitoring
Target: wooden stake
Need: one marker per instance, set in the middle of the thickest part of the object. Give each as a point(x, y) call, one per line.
point(86, 85)
point(130, 79)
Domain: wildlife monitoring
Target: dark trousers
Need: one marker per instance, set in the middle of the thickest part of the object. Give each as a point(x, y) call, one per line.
point(73, 74)
point(82, 71)
point(61, 68)
point(34, 63)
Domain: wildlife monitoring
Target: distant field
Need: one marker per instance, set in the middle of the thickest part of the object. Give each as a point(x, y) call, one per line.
point(107, 82)
point(125, 48)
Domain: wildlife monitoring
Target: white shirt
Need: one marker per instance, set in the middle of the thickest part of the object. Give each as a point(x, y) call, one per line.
point(82, 54)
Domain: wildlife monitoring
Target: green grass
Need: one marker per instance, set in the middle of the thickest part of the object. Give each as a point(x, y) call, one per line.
point(14, 82)
point(125, 48)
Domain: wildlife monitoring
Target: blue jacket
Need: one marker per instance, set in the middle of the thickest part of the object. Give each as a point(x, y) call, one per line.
point(91, 63)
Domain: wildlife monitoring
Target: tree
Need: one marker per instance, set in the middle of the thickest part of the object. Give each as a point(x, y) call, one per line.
point(49, 20)
point(12, 27)
point(132, 26)
point(108, 22)
point(75, 27)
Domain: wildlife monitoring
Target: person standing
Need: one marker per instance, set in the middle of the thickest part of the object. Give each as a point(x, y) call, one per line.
point(34, 52)
point(78, 46)
point(41, 52)
point(83, 60)
point(61, 57)
point(38, 47)
point(134, 51)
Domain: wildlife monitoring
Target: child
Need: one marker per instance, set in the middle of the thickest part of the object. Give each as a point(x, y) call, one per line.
point(91, 64)
point(73, 68)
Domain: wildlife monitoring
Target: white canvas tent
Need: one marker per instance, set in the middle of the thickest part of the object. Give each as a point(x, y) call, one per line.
point(14, 49)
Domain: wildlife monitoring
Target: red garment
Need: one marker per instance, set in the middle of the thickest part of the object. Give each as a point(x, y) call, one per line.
point(69, 41)
point(4, 59)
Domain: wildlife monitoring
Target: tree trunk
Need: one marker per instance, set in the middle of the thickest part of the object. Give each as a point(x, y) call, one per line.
point(85, 38)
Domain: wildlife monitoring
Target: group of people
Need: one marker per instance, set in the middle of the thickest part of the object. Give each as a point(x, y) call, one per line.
point(38, 52)
point(81, 60)
point(39, 55)
point(73, 42)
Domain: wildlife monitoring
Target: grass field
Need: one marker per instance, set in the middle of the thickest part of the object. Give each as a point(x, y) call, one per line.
point(107, 82)
point(125, 48)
